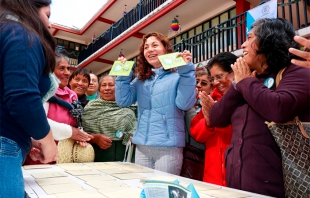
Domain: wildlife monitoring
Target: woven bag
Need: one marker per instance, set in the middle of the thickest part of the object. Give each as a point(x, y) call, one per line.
point(294, 143)
point(71, 152)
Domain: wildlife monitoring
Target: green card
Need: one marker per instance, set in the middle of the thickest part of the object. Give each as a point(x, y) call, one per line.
point(170, 60)
point(120, 69)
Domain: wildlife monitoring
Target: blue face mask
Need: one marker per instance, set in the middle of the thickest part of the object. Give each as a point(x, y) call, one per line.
point(53, 88)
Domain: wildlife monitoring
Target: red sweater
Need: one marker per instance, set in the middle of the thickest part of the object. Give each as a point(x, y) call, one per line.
point(216, 141)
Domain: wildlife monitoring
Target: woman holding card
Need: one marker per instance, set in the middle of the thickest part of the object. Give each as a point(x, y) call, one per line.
point(162, 97)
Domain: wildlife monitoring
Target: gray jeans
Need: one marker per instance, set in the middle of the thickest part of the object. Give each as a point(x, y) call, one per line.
point(166, 159)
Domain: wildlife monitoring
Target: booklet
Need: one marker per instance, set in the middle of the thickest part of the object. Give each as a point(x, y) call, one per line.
point(120, 69)
point(170, 60)
point(160, 189)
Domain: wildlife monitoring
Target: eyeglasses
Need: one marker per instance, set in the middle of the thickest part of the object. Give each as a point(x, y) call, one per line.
point(219, 77)
point(202, 83)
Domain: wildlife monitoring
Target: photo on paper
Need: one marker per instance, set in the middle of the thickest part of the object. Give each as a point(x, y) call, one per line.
point(175, 192)
point(159, 189)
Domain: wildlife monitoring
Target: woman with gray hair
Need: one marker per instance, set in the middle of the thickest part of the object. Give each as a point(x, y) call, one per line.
point(62, 123)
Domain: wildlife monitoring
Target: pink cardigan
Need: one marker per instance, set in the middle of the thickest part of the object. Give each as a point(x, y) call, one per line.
point(59, 113)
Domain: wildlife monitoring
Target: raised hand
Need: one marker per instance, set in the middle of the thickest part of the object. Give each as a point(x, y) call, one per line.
point(186, 55)
point(206, 104)
point(241, 70)
point(303, 54)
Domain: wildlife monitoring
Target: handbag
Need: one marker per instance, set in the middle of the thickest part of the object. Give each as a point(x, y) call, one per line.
point(293, 139)
point(69, 151)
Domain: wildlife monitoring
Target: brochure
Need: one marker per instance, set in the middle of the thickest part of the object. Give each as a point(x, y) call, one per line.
point(120, 69)
point(160, 189)
point(170, 60)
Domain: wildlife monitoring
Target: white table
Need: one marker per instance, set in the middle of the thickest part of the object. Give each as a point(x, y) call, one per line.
point(33, 189)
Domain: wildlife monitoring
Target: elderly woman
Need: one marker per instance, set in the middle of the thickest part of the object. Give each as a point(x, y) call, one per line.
point(253, 159)
point(216, 139)
point(193, 152)
point(62, 123)
point(162, 97)
point(111, 125)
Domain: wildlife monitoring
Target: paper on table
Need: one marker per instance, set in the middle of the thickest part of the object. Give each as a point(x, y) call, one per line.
point(80, 194)
point(57, 180)
point(49, 174)
point(162, 178)
point(136, 169)
point(121, 192)
point(29, 167)
point(82, 172)
point(201, 187)
point(113, 171)
point(88, 178)
point(93, 163)
point(117, 163)
point(73, 166)
point(102, 166)
point(60, 188)
point(223, 193)
point(140, 171)
point(124, 176)
point(105, 184)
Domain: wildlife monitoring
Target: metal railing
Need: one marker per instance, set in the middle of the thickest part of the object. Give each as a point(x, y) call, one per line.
point(224, 37)
point(130, 18)
point(229, 35)
point(221, 38)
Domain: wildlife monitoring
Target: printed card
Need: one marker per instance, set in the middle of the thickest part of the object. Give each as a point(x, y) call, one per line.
point(120, 69)
point(170, 60)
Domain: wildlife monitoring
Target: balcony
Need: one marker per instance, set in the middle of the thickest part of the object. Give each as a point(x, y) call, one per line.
point(226, 36)
point(229, 35)
point(141, 10)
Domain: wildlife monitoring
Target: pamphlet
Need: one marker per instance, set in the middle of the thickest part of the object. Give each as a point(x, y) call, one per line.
point(171, 60)
point(160, 189)
point(121, 69)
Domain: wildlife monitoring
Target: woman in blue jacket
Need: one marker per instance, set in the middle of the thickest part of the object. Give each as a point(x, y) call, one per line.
point(26, 58)
point(162, 97)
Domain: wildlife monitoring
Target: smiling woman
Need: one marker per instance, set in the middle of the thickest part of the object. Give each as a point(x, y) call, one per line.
point(253, 159)
point(104, 119)
point(162, 97)
point(79, 82)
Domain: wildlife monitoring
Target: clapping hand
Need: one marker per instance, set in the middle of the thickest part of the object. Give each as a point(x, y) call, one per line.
point(241, 70)
point(206, 103)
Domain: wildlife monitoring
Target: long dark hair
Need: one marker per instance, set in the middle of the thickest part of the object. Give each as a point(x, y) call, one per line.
point(274, 38)
point(144, 69)
point(27, 12)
